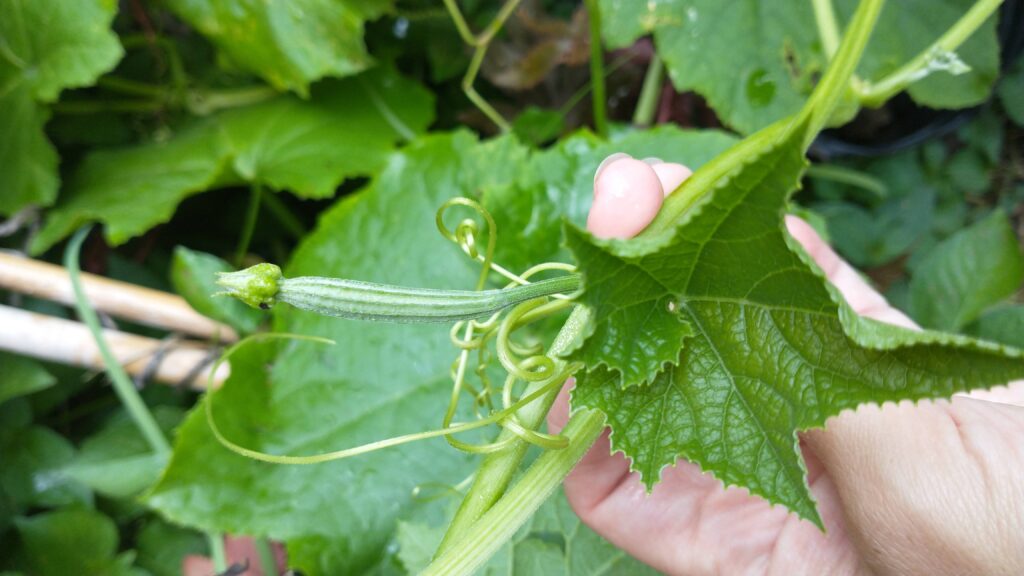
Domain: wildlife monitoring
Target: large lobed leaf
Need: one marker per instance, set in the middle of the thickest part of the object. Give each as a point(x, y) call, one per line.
point(773, 350)
point(45, 47)
point(756, 61)
point(379, 380)
point(346, 128)
point(289, 43)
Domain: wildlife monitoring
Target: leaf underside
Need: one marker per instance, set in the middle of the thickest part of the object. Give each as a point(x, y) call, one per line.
point(772, 349)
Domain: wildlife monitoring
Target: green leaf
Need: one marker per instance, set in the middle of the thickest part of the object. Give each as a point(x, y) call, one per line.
point(1011, 92)
point(40, 56)
point(193, 275)
point(163, 547)
point(32, 473)
point(20, 376)
point(967, 273)
point(1002, 324)
point(52, 54)
point(774, 349)
point(116, 461)
point(756, 61)
point(28, 162)
point(69, 541)
point(378, 381)
point(290, 44)
point(552, 543)
point(133, 189)
point(346, 128)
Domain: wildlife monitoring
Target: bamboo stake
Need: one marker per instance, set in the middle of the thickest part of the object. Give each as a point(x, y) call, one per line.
point(120, 299)
point(67, 342)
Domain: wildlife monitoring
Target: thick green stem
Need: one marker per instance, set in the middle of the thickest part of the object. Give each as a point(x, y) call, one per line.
point(267, 561)
point(597, 70)
point(123, 386)
point(495, 527)
point(249, 226)
point(842, 175)
point(650, 93)
point(937, 57)
point(284, 216)
point(828, 26)
point(816, 112)
point(498, 468)
point(217, 552)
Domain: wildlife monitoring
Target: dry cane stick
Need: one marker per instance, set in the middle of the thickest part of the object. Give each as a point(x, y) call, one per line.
point(120, 299)
point(67, 342)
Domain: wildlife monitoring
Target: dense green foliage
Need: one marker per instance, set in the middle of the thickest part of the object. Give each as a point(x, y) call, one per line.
point(340, 126)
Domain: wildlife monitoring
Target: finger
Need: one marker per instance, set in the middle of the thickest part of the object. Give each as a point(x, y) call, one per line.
point(627, 197)
point(861, 297)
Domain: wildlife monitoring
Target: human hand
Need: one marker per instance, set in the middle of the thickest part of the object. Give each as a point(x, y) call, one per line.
point(934, 488)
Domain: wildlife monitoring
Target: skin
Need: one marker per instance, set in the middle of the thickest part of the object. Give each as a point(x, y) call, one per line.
point(935, 488)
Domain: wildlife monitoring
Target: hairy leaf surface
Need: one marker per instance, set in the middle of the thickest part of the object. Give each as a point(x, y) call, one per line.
point(773, 349)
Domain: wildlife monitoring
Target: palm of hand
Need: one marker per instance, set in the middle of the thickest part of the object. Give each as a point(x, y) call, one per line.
point(936, 488)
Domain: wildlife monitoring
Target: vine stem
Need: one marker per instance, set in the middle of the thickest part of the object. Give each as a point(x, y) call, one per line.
point(875, 94)
point(498, 525)
point(218, 555)
point(647, 104)
point(480, 43)
point(251, 215)
point(266, 554)
point(123, 386)
point(597, 69)
point(828, 26)
point(498, 468)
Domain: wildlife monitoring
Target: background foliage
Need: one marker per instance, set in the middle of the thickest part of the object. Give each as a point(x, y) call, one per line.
point(342, 125)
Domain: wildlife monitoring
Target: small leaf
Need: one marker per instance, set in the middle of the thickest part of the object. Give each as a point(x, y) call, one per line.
point(163, 547)
point(69, 541)
point(972, 270)
point(1003, 324)
point(193, 275)
point(290, 44)
point(32, 473)
point(116, 461)
point(20, 376)
point(1011, 92)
